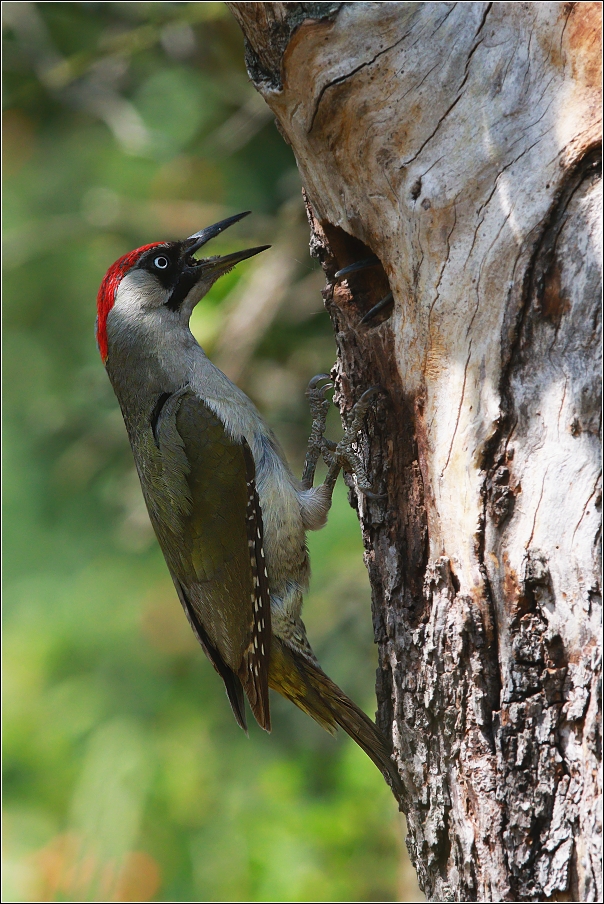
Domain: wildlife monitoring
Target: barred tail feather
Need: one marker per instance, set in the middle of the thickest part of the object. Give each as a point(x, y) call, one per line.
point(306, 685)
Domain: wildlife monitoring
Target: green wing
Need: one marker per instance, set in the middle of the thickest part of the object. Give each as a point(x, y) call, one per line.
point(214, 546)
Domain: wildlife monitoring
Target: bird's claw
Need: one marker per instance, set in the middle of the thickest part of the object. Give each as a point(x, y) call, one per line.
point(386, 302)
point(367, 396)
point(315, 382)
point(318, 404)
point(364, 264)
point(355, 418)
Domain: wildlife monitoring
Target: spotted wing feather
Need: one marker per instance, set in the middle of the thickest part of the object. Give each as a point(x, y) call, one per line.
point(254, 670)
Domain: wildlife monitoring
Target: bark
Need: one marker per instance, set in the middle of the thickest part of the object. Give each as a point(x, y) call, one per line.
point(460, 143)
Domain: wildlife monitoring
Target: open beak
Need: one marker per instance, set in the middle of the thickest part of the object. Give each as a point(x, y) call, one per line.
point(222, 264)
point(217, 265)
point(193, 271)
point(210, 232)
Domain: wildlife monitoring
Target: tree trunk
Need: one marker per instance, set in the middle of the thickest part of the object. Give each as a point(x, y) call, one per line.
point(460, 144)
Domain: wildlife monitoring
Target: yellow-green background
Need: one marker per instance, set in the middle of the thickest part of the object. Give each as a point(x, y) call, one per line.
point(126, 777)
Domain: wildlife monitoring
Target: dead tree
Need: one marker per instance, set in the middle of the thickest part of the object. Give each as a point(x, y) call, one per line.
point(460, 145)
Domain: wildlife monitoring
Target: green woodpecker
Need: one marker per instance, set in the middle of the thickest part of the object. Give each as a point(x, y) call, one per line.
point(229, 515)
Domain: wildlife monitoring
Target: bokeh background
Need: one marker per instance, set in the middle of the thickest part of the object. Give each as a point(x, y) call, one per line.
point(126, 777)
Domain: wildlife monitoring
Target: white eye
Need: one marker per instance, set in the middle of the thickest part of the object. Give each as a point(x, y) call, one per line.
point(161, 262)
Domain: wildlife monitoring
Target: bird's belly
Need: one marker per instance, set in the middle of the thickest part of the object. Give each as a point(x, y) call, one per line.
point(284, 534)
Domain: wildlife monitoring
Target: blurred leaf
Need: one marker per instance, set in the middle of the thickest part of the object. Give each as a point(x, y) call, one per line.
point(174, 104)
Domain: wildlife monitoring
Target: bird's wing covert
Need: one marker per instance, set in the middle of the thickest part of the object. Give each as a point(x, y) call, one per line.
point(220, 562)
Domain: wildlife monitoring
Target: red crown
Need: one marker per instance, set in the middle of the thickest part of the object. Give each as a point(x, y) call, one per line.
point(107, 292)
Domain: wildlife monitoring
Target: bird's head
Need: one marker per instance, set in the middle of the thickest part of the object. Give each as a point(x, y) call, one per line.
point(162, 279)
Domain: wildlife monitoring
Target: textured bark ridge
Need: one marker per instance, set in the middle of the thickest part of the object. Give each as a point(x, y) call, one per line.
point(460, 143)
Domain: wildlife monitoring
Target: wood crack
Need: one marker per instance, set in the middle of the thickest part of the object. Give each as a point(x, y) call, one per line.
point(463, 390)
point(343, 78)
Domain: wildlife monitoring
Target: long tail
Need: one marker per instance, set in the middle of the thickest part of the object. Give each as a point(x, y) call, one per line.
point(306, 685)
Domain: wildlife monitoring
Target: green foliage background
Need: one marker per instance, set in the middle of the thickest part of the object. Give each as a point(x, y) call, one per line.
point(126, 777)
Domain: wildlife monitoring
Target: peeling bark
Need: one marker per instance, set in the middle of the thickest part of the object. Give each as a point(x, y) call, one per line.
point(460, 143)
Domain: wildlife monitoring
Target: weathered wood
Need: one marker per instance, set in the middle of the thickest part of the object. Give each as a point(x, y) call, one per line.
point(460, 143)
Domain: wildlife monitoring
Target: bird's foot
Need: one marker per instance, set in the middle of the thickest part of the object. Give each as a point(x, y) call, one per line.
point(344, 454)
point(319, 406)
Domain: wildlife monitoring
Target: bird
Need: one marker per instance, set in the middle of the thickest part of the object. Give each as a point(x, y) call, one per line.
point(229, 515)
